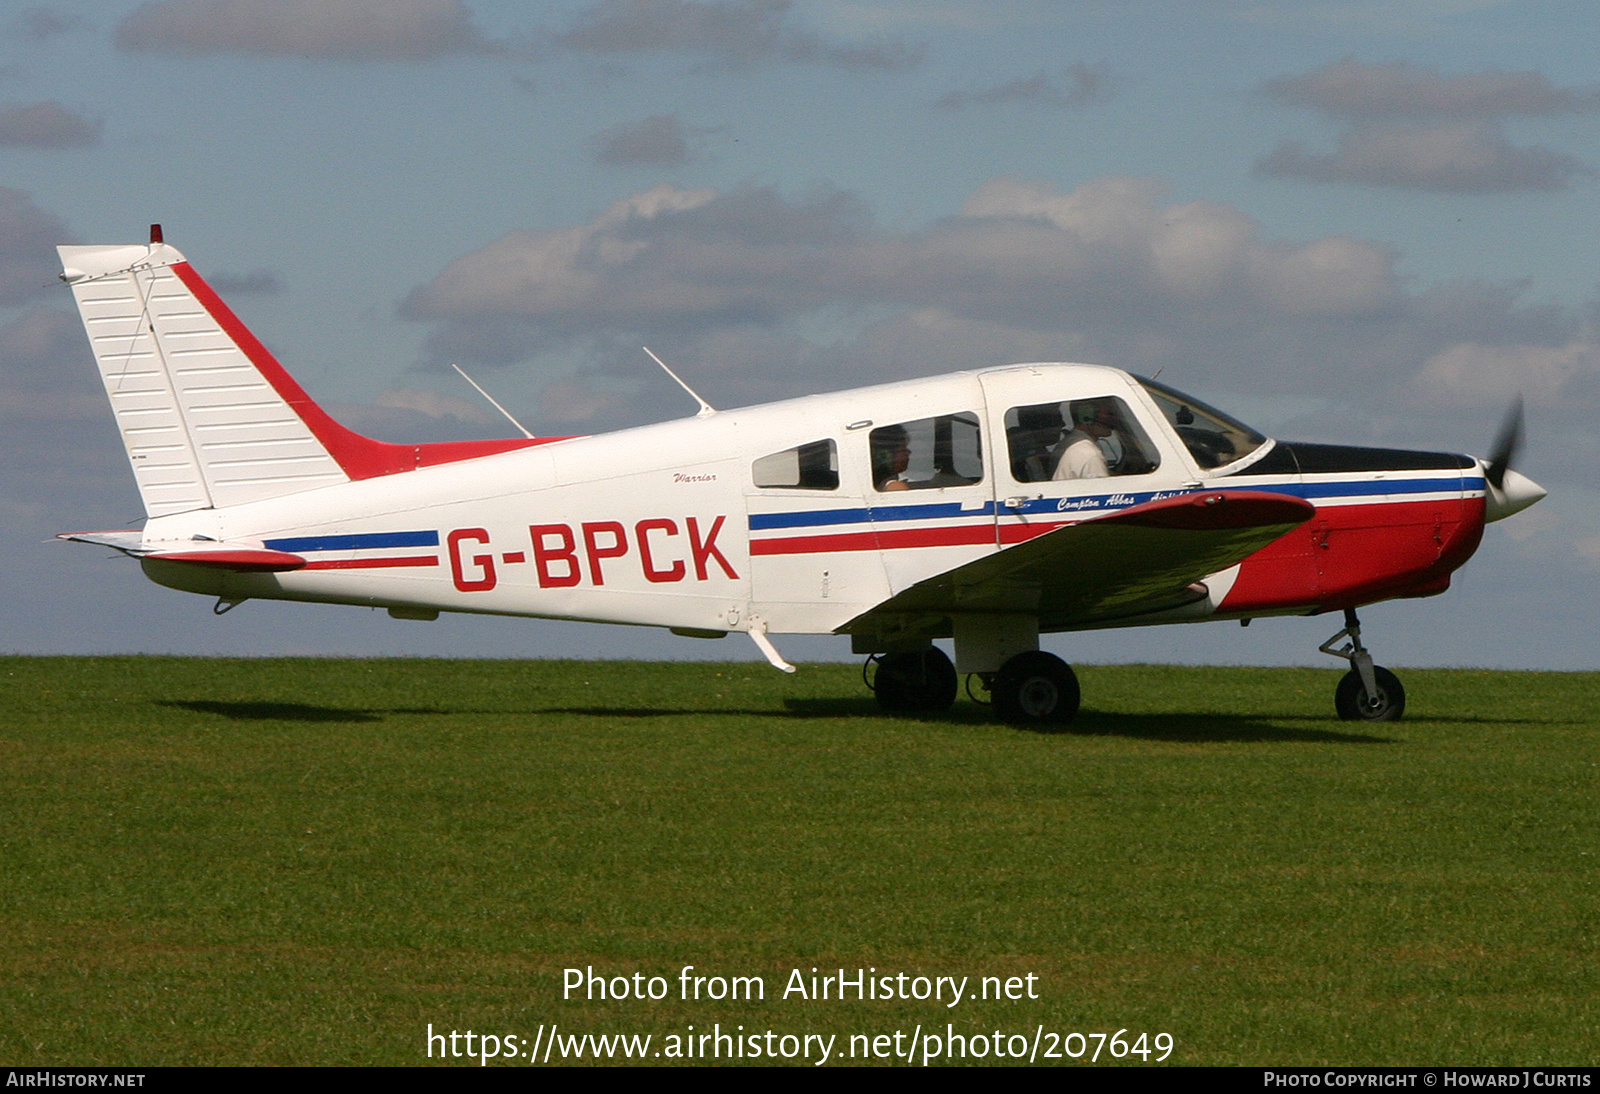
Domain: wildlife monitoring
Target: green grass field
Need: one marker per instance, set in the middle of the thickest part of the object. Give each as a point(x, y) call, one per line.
point(309, 861)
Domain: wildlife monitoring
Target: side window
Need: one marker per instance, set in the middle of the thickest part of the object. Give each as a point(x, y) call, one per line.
point(1080, 439)
point(927, 453)
point(813, 466)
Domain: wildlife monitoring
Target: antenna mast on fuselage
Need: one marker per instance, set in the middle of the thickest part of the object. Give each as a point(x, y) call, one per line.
point(705, 407)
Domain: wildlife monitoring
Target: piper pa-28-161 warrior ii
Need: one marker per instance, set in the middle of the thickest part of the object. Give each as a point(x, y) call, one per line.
point(987, 507)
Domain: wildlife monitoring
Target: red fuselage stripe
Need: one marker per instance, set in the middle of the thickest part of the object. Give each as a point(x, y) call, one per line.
point(373, 563)
point(1013, 531)
point(888, 539)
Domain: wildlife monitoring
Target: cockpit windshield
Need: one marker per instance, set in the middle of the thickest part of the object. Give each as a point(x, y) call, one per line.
point(1212, 437)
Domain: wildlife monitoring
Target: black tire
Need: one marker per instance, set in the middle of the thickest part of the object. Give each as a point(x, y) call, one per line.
point(1036, 689)
point(915, 683)
point(1351, 701)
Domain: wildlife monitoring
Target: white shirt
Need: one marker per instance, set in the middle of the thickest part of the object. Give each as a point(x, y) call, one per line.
point(1081, 458)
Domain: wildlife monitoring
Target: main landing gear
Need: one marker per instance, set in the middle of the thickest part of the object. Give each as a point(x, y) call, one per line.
point(1035, 689)
point(915, 682)
point(1368, 692)
point(1031, 689)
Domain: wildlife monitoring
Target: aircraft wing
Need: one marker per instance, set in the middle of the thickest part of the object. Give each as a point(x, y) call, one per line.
point(1145, 558)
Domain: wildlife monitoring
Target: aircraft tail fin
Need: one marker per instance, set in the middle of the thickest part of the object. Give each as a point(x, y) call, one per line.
point(203, 425)
point(208, 415)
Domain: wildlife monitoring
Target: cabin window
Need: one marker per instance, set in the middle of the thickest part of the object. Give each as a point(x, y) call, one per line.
point(1212, 437)
point(1077, 439)
point(813, 466)
point(927, 453)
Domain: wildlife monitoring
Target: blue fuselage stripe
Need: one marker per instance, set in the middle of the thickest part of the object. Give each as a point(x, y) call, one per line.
point(1372, 487)
point(1346, 488)
point(362, 542)
point(823, 517)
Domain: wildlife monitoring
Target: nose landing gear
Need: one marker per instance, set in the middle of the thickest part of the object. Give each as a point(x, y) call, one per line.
point(1368, 692)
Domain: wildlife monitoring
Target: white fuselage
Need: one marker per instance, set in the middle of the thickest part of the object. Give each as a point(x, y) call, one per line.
point(663, 525)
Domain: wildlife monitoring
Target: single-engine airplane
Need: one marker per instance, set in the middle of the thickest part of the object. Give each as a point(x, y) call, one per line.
point(988, 507)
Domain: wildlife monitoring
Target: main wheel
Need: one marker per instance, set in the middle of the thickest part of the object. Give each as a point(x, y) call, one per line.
point(915, 683)
point(1035, 688)
point(1353, 703)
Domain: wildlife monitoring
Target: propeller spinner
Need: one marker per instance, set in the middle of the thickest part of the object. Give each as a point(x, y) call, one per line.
point(1507, 491)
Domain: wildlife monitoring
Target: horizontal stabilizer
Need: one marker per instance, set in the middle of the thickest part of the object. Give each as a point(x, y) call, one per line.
point(128, 542)
point(240, 560)
point(1143, 559)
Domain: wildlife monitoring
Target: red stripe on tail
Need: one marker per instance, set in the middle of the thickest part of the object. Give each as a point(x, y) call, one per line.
point(359, 457)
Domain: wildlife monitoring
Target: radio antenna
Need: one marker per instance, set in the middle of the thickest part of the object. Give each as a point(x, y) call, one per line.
point(705, 407)
point(492, 403)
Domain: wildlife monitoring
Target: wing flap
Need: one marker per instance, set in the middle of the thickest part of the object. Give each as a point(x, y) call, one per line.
point(1143, 559)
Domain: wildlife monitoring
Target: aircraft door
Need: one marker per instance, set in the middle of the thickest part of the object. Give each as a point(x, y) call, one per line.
point(1070, 445)
point(931, 494)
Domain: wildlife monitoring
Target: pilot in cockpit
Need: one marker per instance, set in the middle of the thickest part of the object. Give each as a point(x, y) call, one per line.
point(1083, 452)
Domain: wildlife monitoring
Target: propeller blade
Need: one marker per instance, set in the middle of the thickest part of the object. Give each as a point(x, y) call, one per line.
point(1506, 445)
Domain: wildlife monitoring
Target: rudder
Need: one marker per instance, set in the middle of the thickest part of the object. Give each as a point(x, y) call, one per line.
point(203, 425)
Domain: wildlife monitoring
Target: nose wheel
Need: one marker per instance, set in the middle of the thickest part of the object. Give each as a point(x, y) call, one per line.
point(1368, 692)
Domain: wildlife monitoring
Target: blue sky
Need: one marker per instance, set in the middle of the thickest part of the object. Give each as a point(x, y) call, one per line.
point(1371, 222)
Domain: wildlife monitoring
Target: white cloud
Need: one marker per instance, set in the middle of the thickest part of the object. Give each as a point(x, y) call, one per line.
point(46, 370)
point(253, 283)
point(1412, 127)
point(1195, 251)
point(40, 24)
point(702, 259)
point(46, 125)
point(1470, 374)
point(28, 239)
point(547, 273)
point(732, 285)
point(1017, 252)
point(359, 30)
point(733, 34)
point(660, 140)
point(1352, 89)
point(579, 401)
point(1080, 85)
point(433, 404)
point(1454, 157)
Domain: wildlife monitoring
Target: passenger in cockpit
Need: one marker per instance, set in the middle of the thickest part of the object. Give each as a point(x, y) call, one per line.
point(891, 455)
point(1033, 441)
